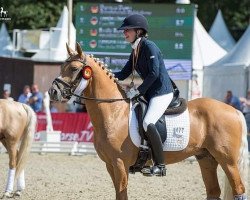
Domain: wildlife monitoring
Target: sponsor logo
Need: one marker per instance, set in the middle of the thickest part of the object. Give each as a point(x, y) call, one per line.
point(4, 14)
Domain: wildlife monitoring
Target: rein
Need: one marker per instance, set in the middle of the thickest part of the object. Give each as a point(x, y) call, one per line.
point(69, 92)
point(99, 99)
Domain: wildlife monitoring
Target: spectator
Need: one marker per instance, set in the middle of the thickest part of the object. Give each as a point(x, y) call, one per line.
point(81, 108)
point(6, 95)
point(53, 108)
point(245, 103)
point(246, 109)
point(24, 97)
point(36, 99)
point(232, 100)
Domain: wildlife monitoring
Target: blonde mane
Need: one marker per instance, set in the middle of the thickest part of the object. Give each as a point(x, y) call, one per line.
point(108, 72)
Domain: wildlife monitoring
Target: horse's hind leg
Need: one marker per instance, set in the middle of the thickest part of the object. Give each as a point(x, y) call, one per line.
point(208, 167)
point(234, 179)
point(12, 151)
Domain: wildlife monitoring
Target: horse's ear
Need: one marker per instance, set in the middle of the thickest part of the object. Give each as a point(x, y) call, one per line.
point(79, 50)
point(70, 51)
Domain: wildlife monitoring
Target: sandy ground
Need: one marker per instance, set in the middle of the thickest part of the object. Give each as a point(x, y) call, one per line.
point(63, 177)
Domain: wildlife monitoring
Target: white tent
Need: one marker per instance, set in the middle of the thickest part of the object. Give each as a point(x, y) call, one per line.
point(205, 52)
point(220, 33)
point(55, 48)
point(5, 41)
point(230, 72)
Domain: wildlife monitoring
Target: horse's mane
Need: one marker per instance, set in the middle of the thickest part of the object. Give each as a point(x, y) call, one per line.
point(107, 71)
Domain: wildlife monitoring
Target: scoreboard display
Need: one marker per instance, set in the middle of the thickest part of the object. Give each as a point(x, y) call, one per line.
point(170, 27)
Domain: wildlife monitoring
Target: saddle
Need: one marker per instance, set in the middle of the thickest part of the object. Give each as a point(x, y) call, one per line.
point(177, 106)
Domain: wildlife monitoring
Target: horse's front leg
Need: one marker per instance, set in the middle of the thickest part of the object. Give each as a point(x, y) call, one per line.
point(119, 175)
point(20, 184)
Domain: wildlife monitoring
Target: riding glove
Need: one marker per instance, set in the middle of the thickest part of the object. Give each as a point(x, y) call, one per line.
point(132, 93)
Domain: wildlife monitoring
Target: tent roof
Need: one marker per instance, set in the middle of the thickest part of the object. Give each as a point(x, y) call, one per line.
point(55, 49)
point(220, 33)
point(239, 55)
point(205, 50)
point(5, 41)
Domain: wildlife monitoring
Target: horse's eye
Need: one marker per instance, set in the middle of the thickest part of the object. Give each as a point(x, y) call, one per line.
point(74, 69)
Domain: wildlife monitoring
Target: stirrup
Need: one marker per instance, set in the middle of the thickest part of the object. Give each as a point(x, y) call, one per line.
point(154, 170)
point(146, 171)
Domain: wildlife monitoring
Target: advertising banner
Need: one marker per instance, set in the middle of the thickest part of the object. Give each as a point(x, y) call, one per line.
point(74, 126)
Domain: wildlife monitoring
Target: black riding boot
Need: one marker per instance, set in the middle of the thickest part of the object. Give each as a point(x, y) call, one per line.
point(157, 151)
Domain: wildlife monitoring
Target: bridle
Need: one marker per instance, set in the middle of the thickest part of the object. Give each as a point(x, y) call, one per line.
point(67, 90)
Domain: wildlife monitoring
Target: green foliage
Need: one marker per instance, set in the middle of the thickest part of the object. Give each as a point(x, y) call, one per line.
point(33, 14)
point(236, 14)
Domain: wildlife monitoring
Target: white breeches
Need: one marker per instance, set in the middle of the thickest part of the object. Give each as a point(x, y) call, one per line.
point(156, 108)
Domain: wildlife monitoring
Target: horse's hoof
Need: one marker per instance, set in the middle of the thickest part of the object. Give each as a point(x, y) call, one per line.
point(18, 193)
point(7, 195)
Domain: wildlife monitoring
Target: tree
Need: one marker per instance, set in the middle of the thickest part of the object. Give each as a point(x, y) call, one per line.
point(33, 14)
point(36, 14)
point(236, 14)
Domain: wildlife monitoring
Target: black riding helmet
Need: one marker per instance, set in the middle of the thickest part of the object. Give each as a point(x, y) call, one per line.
point(134, 21)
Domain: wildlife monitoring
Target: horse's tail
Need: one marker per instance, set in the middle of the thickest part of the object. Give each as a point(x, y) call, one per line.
point(27, 140)
point(243, 161)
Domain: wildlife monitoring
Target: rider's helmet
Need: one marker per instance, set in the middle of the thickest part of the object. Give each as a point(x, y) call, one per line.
point(134, 21)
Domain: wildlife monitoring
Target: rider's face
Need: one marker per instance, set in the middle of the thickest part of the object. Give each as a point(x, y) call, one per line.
point(130, 35)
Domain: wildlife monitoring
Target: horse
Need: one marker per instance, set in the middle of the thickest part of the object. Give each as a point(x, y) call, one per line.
point(218, 133)
point(17, 129)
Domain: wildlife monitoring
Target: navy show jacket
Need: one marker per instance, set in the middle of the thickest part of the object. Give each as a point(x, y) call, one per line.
point(150, 66)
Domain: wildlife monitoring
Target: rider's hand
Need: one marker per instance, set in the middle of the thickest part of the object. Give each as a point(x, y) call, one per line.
point(133, 93)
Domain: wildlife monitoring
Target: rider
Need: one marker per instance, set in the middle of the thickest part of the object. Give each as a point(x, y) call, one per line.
point(157, 89)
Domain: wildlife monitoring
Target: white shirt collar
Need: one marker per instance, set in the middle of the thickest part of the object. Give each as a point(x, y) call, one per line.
point(135, 44)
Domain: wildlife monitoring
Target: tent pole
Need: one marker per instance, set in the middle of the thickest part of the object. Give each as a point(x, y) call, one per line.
point(70, 5)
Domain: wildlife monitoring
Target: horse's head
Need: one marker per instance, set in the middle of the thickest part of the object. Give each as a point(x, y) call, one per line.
point(74, 76)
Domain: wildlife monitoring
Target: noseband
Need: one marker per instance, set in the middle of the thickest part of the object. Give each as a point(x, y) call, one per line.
point(67, 90)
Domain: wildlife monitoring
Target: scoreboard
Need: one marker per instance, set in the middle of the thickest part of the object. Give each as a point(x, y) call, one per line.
point(170, 27)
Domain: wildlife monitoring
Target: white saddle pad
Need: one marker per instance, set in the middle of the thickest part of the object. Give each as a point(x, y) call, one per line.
point(178, 130)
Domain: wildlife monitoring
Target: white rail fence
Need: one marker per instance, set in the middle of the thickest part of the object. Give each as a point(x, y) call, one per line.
point(71, 148)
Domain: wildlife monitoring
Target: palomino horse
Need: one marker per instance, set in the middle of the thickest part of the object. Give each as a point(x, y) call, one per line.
point(17, 129)
point(217, 131)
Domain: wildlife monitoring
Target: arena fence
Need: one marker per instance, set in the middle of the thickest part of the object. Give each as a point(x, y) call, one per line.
point(71, 148)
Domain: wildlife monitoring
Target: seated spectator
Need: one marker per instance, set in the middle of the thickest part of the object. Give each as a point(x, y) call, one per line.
point(6, 95)
point(24, 97)
point(232, 100)
point(36, 99)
